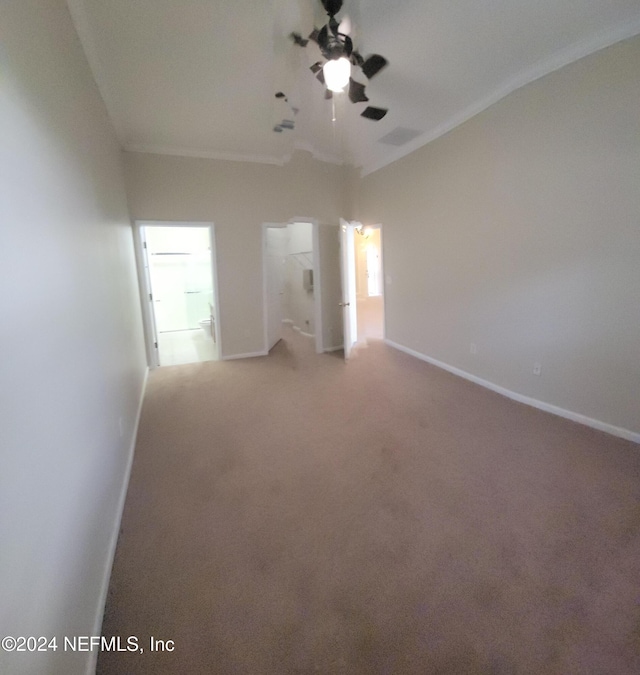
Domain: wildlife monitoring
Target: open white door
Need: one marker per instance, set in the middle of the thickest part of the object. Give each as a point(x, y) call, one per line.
point(153, 347)
point(348, 276)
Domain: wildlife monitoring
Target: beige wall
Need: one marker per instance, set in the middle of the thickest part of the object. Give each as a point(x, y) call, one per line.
point(238, 197)
point(520, 231)
point(73, 360)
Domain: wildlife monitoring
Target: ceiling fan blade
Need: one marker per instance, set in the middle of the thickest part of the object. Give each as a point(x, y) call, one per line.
point(373, 65)
point(313, 35)
point(299, 40)
point(345, 25)
point(316, 67)
point(356, 92)
point(356, 58)
point(374, 114)
point(332, 6)
point(328, 94)
point(323, 38)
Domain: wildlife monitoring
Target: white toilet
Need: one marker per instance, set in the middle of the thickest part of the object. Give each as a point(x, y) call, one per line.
point(205, 324)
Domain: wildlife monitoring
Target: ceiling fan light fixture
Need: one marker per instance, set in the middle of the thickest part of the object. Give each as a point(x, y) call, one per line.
point(337, 73)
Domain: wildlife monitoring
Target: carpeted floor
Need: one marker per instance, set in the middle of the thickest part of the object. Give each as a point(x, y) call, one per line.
point(291, 514)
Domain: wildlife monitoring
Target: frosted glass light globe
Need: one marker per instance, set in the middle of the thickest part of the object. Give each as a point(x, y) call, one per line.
point(337, 73)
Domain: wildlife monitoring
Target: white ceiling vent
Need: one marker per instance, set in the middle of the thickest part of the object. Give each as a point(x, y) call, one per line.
point(400, 136)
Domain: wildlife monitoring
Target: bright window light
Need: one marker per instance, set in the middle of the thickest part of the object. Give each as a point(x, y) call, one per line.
point(374, 271)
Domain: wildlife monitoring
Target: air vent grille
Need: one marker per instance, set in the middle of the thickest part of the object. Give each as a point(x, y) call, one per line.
point(399, 136)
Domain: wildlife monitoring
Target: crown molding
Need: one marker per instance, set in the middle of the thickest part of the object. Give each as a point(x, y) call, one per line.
point(305, 146)
point(232, 156)
point(558, 60)
point(204, 154)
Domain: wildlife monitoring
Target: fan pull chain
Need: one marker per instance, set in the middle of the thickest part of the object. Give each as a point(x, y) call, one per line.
point(333, 108)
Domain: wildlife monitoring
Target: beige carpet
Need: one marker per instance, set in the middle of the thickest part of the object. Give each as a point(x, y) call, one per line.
point(289, 514)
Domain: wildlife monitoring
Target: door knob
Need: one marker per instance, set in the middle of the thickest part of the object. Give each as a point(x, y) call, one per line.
point(343, 304)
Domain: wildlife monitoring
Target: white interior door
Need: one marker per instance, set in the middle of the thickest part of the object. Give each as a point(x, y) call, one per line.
point(348, 277)
point(150, 300)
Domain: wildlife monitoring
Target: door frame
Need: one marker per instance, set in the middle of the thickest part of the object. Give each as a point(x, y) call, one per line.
point(148, 317)
point(317, 287)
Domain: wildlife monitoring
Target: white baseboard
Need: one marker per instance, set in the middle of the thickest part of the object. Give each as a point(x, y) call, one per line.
point(106, 578)
point(248, 355)
point(333, 349)
point(521, 398)
point(289, 321)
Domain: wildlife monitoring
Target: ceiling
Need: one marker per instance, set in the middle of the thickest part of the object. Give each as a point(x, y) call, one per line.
point(198, 77)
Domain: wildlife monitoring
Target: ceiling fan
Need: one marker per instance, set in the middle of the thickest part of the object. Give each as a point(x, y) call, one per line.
point(337, 49)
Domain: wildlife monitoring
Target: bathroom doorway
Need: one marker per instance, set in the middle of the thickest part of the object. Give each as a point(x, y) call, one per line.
point(179, 292)
point(291, 284)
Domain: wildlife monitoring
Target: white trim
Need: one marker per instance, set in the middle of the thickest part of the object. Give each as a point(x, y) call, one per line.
point(177, 151)
point(554, 62)
point(115, 533)
point(327, 350)
point(148, 319)
point(205, 154)
point(248, 355)
point(288, 321)
point(216, 288)
point(521, 398)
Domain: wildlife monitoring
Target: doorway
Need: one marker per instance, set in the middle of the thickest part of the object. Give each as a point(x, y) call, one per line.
point(180, 292)
point(290, 279)
point(369, 282)
point(362, 285)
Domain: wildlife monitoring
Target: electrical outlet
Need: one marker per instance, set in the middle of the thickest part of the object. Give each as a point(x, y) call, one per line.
point(473, 348)
point(537, 368)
